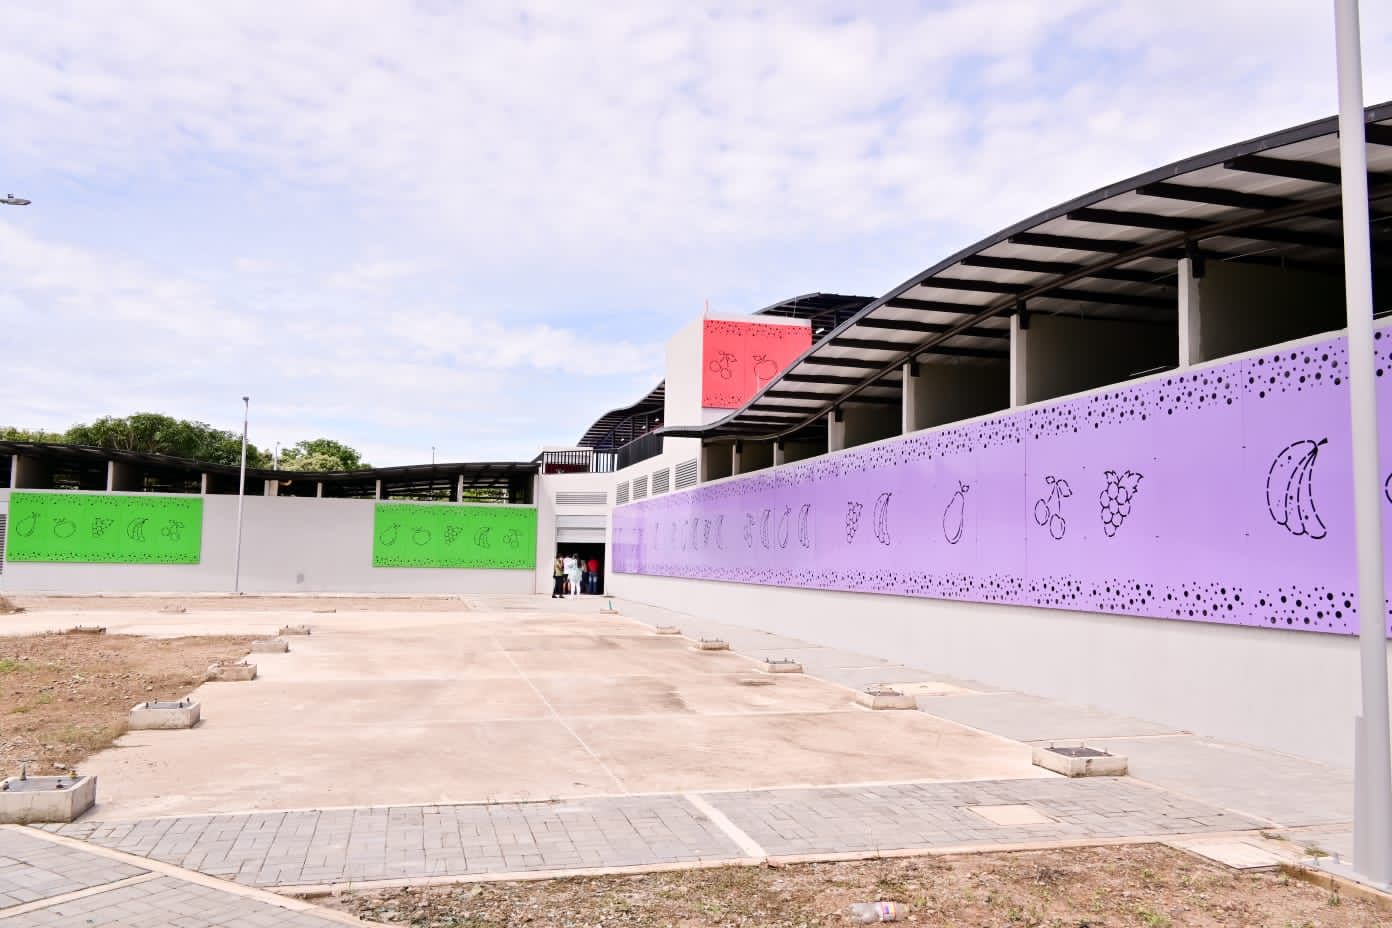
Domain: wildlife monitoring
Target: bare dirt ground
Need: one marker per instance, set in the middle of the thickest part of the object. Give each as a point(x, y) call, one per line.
point(1150, 886)
point(64, 697)
point(229, 603)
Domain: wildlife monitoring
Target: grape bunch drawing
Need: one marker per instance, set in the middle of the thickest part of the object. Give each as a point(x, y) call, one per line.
point(451, 533)
point(1115, 499)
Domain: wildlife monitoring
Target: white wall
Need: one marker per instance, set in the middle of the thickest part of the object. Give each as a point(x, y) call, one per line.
point(1289, 691)
point(289, 545)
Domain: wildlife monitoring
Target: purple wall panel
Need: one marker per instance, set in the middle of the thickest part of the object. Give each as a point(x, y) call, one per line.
point(1215, 496)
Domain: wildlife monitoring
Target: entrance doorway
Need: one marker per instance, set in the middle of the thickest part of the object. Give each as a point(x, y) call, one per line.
point(587, 551)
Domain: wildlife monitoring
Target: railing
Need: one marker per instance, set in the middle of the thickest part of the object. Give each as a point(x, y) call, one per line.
point(640, 449)
point(579, 462)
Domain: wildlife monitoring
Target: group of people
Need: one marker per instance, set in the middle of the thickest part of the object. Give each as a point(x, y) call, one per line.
point(574, 575)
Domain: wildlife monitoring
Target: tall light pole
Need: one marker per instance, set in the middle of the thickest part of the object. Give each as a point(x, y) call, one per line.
point(241, 501)
point(1372, 814)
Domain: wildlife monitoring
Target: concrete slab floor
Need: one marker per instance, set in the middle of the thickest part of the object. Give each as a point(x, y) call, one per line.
point(497, 701)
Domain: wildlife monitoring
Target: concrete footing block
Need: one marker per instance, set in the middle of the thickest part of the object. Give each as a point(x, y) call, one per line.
point(173, 609)
point(781, 665)
point(294, 629)
point(232, 671)
point(155, 716)
point(28, 800)
point(87, 630)
point(1080, 761)
point(667, 630)
point(884, 697)
point(270, 646)
point(713, 644)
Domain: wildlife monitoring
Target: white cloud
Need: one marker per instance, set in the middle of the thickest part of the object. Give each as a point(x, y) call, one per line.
point(405, 217)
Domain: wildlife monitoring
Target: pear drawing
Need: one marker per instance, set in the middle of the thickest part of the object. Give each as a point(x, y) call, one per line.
point(954, 516)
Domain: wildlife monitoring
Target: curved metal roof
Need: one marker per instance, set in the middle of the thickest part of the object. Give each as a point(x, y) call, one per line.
point(825, 310)
point(1110, 253)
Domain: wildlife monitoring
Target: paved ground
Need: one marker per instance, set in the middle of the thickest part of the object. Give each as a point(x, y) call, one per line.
point(47, 883)
point(514, 698)
point(665, 756)
point(415, 842)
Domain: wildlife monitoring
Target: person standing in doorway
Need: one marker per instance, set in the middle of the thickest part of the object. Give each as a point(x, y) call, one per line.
point(593, 567)
point(558, 578)
point(576, 568)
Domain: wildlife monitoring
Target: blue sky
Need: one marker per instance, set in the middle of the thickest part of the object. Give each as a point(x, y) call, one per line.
point(473, 225)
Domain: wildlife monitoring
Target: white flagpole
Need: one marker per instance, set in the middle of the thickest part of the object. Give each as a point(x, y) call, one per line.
point(1372, 818)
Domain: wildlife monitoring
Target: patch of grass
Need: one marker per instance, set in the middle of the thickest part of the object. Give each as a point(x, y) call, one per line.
point(9, 665)
point(1152, 918)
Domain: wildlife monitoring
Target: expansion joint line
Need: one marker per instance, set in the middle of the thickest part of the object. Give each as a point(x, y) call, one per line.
point(561, 720)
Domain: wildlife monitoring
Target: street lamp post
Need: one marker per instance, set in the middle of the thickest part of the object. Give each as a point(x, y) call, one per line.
point(1372, 815)
point(241, 501)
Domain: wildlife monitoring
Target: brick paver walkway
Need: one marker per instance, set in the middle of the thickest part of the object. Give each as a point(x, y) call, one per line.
point(412, 842)
point(298, 848)
point(876, 818)
point(166, 902)
point(32, 868)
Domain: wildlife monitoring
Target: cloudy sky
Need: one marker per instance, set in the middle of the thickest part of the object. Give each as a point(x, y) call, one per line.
point(473, 225)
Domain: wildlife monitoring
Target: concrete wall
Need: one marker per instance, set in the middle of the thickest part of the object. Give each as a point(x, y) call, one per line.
point(1243, 306)
point(1293, 692)
point(289, 545)
point(548, 485)
point(954, 390)
point(1067, 354)
point(866, 423)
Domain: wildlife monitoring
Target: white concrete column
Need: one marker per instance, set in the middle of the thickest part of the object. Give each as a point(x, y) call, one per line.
point(836, 431)
point(735, 455)
point(909, 403)
point(378, 494)
point(203, 484)
point(780, 454)
point(1019, 380)
point(459, 490)
point(319, 490)
point(14, 471)
point(110, 476)
point(271, 487)
point(1190, 341)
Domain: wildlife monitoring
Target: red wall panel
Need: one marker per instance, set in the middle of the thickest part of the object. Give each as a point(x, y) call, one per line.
point(739, 358)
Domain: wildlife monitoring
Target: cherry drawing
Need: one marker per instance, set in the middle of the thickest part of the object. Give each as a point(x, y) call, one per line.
point(1049, 510)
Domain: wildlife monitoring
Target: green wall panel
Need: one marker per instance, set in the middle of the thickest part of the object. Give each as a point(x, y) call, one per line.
point(101, 528)
point(423, 535)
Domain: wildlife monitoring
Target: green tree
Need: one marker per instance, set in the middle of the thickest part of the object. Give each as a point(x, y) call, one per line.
point(320, 455)
point(159, 434)
point(13, 433)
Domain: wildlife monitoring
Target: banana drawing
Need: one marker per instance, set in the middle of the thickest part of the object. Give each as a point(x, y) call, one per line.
point(749, 529)
point(27, 525)
point(135, 529)
point(480, 536)
point(705, 533)
point(765, 524)
point(954, 516)
point(695, 531)
point(785, 523)
point(1290, 489)
point(719, 539)
point(388, 538)
point(805, 529)
point(882, 518)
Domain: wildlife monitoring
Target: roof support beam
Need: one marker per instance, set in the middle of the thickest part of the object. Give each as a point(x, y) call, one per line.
point(908, 325)
point(847, 362)
point(972, 286)
point(933, 306)
point(1074, 243)
point(823, 378)
point(1116, 217)
point(1064, 267)
point(955, 352)
point(1217, 196)
point(1299, 170)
